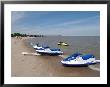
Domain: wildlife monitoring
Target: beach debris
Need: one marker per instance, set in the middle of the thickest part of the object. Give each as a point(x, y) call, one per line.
point(27, 53)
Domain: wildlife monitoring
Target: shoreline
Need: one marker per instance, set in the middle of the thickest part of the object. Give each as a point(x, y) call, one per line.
point(42, 66)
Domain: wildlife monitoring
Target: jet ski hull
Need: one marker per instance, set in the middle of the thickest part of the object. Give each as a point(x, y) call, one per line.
point(50, 54)
point(79, 65)
point(75, 65)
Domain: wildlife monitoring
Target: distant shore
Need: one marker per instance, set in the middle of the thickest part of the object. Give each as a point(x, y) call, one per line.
point(41, 66)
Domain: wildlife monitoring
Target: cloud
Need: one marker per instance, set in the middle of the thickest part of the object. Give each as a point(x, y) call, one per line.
point(71, 27)
point(70, 31)
point(76, 21)
point(16, 16)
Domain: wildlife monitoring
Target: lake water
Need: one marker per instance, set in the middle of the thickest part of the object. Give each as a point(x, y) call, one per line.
point(82, 44)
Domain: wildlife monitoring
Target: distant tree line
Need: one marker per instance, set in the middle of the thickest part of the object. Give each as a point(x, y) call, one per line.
point(24, 35)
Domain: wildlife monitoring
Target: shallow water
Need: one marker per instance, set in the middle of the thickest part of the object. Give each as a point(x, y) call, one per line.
point(82, 44)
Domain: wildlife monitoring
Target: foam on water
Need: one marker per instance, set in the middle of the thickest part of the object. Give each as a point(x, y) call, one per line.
point(93, 67)
point(63, 56)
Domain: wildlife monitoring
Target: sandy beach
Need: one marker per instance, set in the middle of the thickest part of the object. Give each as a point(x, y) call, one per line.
point(42, 66)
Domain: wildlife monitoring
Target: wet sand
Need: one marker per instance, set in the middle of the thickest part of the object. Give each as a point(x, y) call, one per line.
point(42, 66)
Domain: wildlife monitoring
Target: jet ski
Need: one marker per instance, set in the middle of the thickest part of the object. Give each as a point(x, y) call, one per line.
point(49, 51)
point(63, 44)
point(77, 59)
point(37, 46)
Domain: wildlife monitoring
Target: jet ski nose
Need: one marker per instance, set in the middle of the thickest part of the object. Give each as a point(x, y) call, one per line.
point(62, 61)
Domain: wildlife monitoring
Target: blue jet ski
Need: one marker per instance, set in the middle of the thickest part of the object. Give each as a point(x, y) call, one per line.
point(37, 46)
point(46, 50)
point(49, 51)
point(78, 59)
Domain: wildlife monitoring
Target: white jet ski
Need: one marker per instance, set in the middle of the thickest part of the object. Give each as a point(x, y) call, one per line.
point(78, 59)
point(37, 46)
point(49, 51)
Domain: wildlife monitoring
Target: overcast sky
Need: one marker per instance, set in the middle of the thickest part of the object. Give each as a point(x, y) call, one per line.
point(67, 23)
